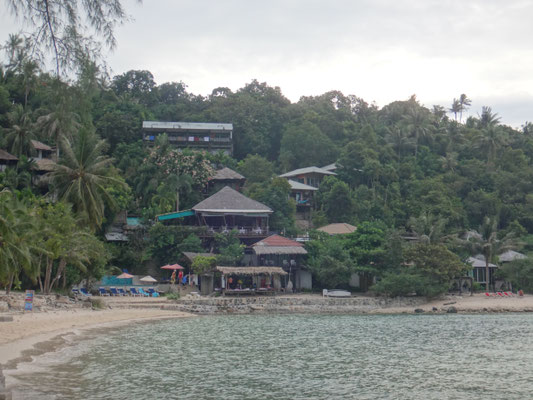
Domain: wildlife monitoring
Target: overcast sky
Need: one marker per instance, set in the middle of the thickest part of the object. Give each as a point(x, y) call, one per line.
point(380, 50)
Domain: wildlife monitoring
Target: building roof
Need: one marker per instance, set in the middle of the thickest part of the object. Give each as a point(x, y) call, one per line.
point(338, 229)
point(191, 256)
point(41, 146)
point(330, 167)
point(251, 270)
point(116, 237)
point(300, 186)
point(307, 170)
point(511, 255)
point(226, 174)
point(4, 155)
point(44, 164)
point(277, 240)
point(276, 244)
point(477, 263)
point(186, 126)
point(228, 200)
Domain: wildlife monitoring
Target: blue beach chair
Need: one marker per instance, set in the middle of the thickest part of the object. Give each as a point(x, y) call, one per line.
point(102, 291)
point(134, 292)
point(84, 292)
point(114, 291)
point(143, 293)
point(122, 292)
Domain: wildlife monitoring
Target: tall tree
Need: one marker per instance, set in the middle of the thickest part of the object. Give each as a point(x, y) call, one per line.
point(82, 175)
point(69, 28)
point(464, 103)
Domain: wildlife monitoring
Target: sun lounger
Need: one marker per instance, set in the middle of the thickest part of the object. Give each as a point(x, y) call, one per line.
point(114, 291)
point(84, 292)
point(102, 292)
point(134, 292)
point(122, 292)
point(143, 293)
point(152, 292)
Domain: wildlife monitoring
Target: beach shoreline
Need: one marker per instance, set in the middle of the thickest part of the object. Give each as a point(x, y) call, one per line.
point(31, 334)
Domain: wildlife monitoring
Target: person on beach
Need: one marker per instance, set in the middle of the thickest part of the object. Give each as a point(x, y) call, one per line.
point(173, 278)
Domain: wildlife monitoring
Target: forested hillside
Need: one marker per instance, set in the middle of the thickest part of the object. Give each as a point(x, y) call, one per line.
point(403, 169)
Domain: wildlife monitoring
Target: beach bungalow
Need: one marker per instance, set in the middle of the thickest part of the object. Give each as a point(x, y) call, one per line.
point(228, 209)
point(479, 269)
point(43, 150)
point(288, 254)
point(7, 160)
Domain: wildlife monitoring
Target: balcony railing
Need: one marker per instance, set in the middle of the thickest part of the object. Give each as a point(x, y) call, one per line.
point(241, 230)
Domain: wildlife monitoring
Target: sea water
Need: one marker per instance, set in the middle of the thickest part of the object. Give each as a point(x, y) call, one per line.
point(294, 357)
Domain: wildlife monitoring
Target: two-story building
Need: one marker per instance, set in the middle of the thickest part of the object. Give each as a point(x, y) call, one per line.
point(211, 137)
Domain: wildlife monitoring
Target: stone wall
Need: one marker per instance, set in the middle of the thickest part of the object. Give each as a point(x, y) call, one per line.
point(246, 305)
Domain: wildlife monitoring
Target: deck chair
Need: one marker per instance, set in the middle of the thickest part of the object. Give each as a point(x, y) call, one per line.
point(152, 292)
point(84, 292)
point(122, 292)
point(102, 292)
point(134, 292)
point(143, 293)
point(114, 291)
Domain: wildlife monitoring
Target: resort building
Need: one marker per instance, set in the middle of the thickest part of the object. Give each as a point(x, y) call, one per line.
point(304, 183)
point(228, 209)
point(479, 269)
point(212, 137)
point(288, 254)
point(7, 160)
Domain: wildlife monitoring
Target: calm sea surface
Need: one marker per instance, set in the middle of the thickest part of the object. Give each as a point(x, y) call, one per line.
point(295, 357)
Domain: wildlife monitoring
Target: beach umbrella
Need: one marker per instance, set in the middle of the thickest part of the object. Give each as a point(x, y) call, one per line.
point(125, 275)
point(148, 279)
point(173, 266)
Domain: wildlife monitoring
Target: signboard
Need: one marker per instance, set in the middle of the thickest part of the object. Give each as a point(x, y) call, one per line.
point(28, 300)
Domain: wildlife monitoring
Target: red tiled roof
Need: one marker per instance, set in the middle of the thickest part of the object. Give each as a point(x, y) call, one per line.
point(278, 241)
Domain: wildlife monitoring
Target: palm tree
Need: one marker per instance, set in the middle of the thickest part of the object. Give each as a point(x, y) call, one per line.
point(488, 243)
point(397, 137)
point(488, 118)
point(417, 123)
point(18, 244)
point(456, 108)
point(428, 228)
point(59, 123)
point(490, 140)
point(21, 132)
point(464, 103)
point(81, 177)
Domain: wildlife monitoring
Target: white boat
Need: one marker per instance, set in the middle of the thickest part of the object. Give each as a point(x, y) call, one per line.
point(336, 293)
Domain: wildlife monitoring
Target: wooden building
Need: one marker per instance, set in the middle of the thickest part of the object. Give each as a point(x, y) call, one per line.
point(7, 160)
point(225, 177)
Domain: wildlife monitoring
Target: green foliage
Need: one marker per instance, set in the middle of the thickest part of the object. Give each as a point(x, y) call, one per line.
point(407, 283)
point(275, 194)
point(435, 262)
point(519, 273)
point(329, 261)
point(229, 247)
point(256, 169)
point(202, 265)
point(166, 243)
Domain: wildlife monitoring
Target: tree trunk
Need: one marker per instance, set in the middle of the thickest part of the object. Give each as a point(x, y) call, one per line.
point(48, 275)
point(10, 282)
point(487, 273)
point(60, 270)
